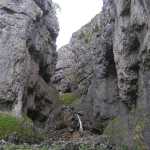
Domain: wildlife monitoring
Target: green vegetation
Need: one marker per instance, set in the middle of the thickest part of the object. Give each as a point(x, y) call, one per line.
point(100, 126)
point(138, 134)
point(21, 128)
point(87, 35)
point(24, 147)
point(96, 28)
point(14, 147)
point(85, 147)
point(123, 131)
point(68, 98)
point(56, 147)
point(93, 147)
point(126, 147)
point(80, 147)
point(60, 147)
point(123, 147)
point(117, 130)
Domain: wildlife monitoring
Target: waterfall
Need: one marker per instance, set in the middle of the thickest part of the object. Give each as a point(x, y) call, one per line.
point(80, 124)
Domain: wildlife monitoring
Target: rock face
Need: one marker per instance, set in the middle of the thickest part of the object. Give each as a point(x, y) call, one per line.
point(111, 68)
point(107, 62)
point(131, 54)
point(28, 31)
point(62, 79)
point(93, 69)
point(100, 101)
point(83, 45)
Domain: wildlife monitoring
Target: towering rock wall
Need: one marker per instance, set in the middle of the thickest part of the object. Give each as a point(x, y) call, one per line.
point(93, 68)
point(83, 45)
point(131, 55)
point(28, 31)
point(101, 102)
point(63, 77)
point(111, 63)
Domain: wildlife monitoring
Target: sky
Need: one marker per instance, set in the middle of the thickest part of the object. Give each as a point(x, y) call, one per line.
point(73, 15)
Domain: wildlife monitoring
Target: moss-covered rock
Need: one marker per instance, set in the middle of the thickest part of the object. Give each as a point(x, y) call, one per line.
point(86, 35)
point(100, 126)
point(68, 98)
point(19, 130)
point(128, 131)
point(117, 131)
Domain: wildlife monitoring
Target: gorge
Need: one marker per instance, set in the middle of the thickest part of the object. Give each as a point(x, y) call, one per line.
point(98, 84)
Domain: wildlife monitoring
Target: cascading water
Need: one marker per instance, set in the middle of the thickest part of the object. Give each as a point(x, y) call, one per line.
point(80, 124)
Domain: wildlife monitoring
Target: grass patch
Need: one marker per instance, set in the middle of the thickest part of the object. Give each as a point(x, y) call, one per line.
point(68, 98)
point(24, 147)
point(22, 128)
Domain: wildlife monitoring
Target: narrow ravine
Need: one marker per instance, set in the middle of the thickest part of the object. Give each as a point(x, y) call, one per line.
point(91, 94)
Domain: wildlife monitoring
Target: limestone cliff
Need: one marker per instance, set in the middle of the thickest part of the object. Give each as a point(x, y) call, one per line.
point(106, 63)
point(111, 68)
point(93, 69)
point(28, 31)
point(63, 76)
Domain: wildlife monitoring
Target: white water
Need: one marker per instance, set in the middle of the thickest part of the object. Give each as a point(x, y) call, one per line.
point(80, 123)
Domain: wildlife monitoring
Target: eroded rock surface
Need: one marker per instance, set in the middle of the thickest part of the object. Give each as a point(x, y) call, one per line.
point(108, 61)
point(111, 69)
point(93, 69)
point(28, 31)
point(62, 78)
